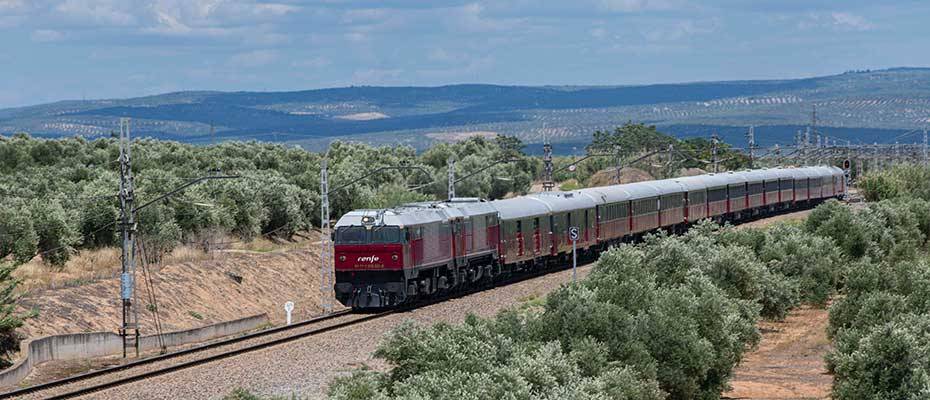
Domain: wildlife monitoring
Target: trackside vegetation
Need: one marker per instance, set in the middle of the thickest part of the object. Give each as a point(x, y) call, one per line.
point(59, 196)
point(668, 318)
point(881, 325)
point(671, 317)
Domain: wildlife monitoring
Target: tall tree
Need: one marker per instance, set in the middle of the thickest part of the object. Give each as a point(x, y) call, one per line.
point(10, 319)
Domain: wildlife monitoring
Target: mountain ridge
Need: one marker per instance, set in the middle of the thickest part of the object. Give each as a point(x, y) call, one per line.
point(891, 99)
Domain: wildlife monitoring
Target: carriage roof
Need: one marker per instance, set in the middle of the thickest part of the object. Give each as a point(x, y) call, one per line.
point(607, 194)
point(640, 190)
point(565, 201)
point(519, 207)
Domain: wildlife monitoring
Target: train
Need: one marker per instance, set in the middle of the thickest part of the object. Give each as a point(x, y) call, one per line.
point(389, 257)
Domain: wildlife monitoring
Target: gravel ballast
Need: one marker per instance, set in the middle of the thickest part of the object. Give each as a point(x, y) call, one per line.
point(305, 367)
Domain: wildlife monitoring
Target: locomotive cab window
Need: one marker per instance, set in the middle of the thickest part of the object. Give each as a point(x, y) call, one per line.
point(351, 235)
point(386, 234)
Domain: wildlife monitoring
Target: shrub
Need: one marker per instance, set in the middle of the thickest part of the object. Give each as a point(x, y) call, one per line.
point(892, 362)
point(912, 181)
point(813, 261)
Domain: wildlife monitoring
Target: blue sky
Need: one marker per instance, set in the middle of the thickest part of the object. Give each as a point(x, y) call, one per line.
point(71, 49)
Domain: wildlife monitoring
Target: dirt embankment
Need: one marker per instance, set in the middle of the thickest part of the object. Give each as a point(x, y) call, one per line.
point(789, 362)
point(188, 294)
point(627, 175)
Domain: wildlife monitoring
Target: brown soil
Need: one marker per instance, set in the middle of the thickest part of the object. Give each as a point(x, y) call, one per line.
point(797, 216)
point(691, 172)
point(188, 294)
point(789, 362)
point(627, 175)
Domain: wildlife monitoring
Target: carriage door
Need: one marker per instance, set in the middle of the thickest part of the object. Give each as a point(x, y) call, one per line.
point(536, 237)
point(568, 225)
point(587, 223)
point(553, 238)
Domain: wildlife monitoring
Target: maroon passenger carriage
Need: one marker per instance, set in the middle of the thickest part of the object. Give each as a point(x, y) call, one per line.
point(388, 257)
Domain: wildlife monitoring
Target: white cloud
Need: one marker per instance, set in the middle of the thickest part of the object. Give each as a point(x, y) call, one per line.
point(254, 59)
point(851, 21)
point(11, 5)
point(97, 12)
point(313, 62)
point(837, 20)
point(46, 35)
point(680, 30)
point(629, 6)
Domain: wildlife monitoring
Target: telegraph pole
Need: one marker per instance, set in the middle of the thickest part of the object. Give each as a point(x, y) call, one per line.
point(451, 189)
point(326, 241)
point(129, 330)
point(548, 184)
point(752, 146)
point(714, 141)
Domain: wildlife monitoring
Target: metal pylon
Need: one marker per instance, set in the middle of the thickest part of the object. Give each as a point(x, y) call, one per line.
point(326, 243)
point(129, 330)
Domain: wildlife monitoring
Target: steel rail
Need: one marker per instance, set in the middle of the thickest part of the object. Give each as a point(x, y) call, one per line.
point(151, 360)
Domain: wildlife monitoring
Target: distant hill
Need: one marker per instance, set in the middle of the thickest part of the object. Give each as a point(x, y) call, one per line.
point(865, 106)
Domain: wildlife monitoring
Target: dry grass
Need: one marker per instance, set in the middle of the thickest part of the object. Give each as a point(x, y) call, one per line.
point(93, 265)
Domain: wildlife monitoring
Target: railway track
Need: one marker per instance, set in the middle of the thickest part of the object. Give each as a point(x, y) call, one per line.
point(211, 351)
point(146, 368)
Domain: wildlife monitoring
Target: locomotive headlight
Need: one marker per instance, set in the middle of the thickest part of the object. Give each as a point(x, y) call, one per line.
point(342, 258)
point(394, 257)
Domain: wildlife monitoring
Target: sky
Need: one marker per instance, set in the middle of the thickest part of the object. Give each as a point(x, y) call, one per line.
point(54, 50)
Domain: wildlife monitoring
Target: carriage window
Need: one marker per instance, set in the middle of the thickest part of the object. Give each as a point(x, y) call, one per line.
point(536, 224)
point(697, 197)
point(519, 226)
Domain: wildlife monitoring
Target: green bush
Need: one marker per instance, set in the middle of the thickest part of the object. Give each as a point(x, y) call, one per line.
point(476, 361)
point(814, 262)
point(892, 361)
point(911, 181)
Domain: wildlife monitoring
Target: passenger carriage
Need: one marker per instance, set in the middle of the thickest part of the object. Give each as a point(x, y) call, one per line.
point(737, 193)
point(671, 203)
point(524, 227)
point(695, 196)
point(717, 198)
point(800, 179)
point(568, 209)
point(785, 187)
point(612, 210)
point(755, 189)
point(644, 203)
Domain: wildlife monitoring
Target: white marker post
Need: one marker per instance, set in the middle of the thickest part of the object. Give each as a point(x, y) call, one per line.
point(288, 307)
point(573, 235)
